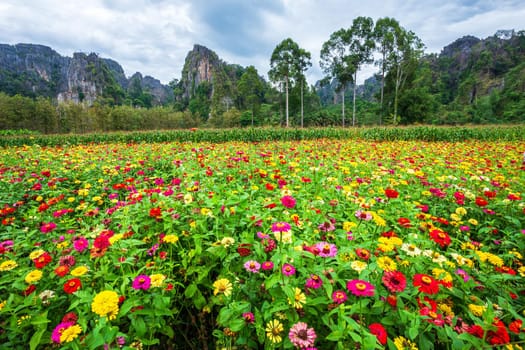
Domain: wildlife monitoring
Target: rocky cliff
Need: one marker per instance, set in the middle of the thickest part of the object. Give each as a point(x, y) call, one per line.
point(37, 70)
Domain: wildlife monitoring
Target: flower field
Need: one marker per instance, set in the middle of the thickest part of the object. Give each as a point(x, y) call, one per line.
point(310, 244)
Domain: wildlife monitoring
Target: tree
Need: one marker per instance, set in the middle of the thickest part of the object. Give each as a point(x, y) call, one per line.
point(406, 52)
point(303, 62)
point(285, 64)
point(251, 90)
point(362, 43)
point(337, 62)
point(384, 34)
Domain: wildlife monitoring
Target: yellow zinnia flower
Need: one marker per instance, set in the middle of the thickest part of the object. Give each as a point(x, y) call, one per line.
point(224, 286)
point(403, 343)
point(79, 271)
point(171, 239)
point(157, 280)
point(299, 299)
point(8, 265)
point(477, 310)
point(105, 303)
point(274, 328)
point(33, 276)
point(70, 333)
point(386, 264)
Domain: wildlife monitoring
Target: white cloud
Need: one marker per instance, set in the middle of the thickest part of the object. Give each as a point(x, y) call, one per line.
point(154, 36)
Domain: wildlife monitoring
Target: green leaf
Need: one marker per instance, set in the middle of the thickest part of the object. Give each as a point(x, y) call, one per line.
point(190, 291)
point(35, 339)
point(335, 335)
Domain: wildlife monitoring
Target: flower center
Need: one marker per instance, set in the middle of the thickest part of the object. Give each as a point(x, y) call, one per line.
point(426, 280)
point(303, 334)
point(142, 280)
point(360, 286)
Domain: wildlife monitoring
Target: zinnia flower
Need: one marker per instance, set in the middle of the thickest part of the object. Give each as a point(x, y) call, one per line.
point(274, 328)
point(70, 333)
point(281, 227)
point(8, 265)
point(440, 237)
point(402, 343)
point(252, 266)
point(379, 331)
point(72, 285)
point(141, 282)
point(33, 276)
point(427, 284)
point(267, 265)
point(360, 288)
point(314, 282)
point(47, 227)
point(301, 336)
point(222, 286)
point(105, 303)
point(80, 244)
point(339, 297)
point(288, 270)
point(157, 280)
point(248, 317)
point(299, 299)
point(394, 281)
point(326, 249)
point(288, 201)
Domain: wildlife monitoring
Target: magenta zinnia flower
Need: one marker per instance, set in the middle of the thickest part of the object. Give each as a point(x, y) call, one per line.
point(339, 296)
point(55, 336)
point(267, 265)
point(80, 244)
point(47, 227)
point(314, 282)
point(360, 288)
point(141, 282)
point(301, 336)
point(326, 249)
point(288, 270)
point(248, 317)
point(252, 266)
point(281, 227)
point(288, 201)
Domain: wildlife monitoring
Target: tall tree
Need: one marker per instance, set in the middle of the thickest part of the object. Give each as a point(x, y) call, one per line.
point(337, 62)
point(303, 62)
point(284, 66)
point(384, 34)
point(404, 57)
point(251, 90)
point(361, 41)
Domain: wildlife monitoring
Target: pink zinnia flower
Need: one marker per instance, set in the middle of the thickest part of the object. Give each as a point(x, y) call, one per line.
point(80, 244)
point(248, 317)
point(57, 332)
point(281, 227)
point(288, 201)
point(326, 249)
point(360, 288)
point(252, 266)
point(141, 282)
point(301, 336)
point(288, 270)
point(339, 296)
point(314, 282)
point(47, 227)
point(267, 265)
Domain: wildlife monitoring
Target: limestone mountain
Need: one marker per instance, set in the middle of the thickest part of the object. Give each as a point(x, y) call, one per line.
point(37, 70)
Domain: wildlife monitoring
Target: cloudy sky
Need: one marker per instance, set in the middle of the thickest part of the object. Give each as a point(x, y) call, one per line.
point(154, 36)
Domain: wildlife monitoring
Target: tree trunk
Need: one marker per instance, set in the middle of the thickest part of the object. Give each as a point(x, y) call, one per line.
point(302, 105)
point(355, 91)
point(382, 88)
point(287, 119)
point(343, 108)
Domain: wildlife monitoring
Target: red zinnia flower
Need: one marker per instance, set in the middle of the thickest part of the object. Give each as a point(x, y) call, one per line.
point(363, 253)
point(42, 260)
point(379, 331)
point(62, 270)
point(394, 281)
point(155, 213)
point(427, 284)
point(101, 242)
point(481, 201)
point(404, 222)
point(72, 285)
point(500, 335)
point(440, 237)
point(516, 326)
point(391, 193)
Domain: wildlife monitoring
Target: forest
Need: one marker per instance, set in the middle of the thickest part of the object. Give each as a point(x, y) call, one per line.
point(472, 81)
